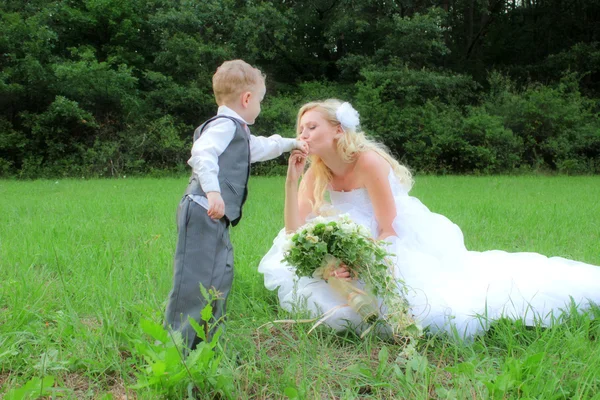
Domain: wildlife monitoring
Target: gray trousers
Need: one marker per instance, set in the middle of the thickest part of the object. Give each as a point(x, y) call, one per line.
point(203, 256)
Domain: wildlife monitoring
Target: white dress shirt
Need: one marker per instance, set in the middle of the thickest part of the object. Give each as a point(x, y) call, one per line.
point(213, 142)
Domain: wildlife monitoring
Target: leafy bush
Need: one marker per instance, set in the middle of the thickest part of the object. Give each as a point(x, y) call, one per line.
point(499, 147)
point(405, 87)
point(170, 372)
point(558, 126)
point(540, 127)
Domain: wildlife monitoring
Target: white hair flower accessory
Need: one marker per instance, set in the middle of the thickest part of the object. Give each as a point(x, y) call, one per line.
point(347, 116)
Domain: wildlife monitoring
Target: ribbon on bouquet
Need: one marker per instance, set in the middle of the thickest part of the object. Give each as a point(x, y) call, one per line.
point(359, 300)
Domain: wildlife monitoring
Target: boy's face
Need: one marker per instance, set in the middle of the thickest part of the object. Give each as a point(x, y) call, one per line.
point(257, 94)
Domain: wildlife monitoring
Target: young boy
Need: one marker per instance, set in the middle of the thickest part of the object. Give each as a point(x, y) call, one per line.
point(221, 155)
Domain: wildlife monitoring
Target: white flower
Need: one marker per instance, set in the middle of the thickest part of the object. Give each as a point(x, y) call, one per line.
point(329, 228)
point(347, 116)
point(312, 238)
point(363, 230)
point(287, 245)
point(347, 228)
point(345, 218)
point(319, 220)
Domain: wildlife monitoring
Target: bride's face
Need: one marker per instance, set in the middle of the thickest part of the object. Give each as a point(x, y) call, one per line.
point(318, 132)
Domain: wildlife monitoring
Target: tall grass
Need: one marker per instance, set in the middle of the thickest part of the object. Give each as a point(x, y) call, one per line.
point(83, 261)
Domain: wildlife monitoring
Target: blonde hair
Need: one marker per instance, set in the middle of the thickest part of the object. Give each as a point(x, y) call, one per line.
point(235, 77)
point(349, 146)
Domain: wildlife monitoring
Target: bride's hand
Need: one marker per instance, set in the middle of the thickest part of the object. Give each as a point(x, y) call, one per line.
point(296, 165)
point(341, 273)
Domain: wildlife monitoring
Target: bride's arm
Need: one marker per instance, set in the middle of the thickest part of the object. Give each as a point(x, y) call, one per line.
point(374, 171)
point(297, 200)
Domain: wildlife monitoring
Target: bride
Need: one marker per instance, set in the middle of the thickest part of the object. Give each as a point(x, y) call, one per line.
point(451, 289)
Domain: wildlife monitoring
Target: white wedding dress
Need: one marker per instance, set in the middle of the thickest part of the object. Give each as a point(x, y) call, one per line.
point(450, 288)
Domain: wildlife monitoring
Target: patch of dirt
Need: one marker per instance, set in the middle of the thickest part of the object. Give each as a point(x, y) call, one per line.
point(82, 387)
point(92, 323)
point(77, 383)
point(4, 377)
point(119, 391)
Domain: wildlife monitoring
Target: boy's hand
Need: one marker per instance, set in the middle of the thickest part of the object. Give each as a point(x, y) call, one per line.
point(216, 206)
point(302, 146)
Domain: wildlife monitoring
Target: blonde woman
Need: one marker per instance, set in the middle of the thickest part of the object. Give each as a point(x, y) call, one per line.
point(451, 288)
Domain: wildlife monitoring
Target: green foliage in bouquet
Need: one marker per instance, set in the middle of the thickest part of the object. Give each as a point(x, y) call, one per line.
point(345, 240)
point(314, 244)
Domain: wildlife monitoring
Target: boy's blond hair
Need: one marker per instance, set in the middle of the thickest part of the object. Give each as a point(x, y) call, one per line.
point(233, 78)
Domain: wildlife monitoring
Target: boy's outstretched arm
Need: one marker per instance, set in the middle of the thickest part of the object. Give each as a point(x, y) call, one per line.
point(266, 148)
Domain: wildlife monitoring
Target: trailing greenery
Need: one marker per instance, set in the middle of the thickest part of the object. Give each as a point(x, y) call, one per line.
point(112, 88)
point(317, 248)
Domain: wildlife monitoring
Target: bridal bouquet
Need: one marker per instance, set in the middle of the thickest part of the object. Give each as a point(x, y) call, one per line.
point(321, 246)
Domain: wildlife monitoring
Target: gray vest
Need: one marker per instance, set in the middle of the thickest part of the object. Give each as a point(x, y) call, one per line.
point(234, 170)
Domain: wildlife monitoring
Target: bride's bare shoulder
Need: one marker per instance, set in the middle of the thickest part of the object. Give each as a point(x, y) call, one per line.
point(370, 162)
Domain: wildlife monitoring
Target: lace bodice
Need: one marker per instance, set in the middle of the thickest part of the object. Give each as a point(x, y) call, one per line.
point(360, 197)
point(358, 204)
point(357, 197)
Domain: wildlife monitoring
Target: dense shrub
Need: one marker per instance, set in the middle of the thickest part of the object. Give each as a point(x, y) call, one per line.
point(560, 128)
point(109, 88)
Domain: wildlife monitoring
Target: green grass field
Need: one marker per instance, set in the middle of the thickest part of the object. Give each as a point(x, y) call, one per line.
point(82, 262)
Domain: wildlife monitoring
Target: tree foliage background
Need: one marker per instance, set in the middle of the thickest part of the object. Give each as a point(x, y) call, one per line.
point(112, 87)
